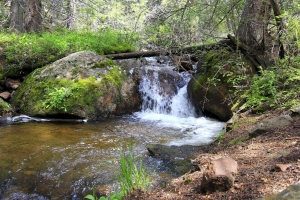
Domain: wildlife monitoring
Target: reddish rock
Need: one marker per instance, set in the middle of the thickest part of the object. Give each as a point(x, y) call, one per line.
point(219, 175)
point(282, 167)
point(12, 83)
point(5, 95)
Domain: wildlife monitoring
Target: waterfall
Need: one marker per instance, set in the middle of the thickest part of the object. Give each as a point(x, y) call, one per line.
point(170, 99)
point(166, 104)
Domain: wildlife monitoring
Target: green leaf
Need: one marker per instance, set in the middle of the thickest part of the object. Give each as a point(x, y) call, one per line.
point(90, 197)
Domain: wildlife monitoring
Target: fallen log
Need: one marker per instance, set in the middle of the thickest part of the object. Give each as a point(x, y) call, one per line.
point(138, 54)
point(191, 50)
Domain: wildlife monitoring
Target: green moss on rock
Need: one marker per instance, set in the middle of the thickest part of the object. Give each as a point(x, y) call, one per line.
point(117, 75)
point(74, 86)
point(214, 89)
point(5, 108)
point(104, 64)
point(82, 94)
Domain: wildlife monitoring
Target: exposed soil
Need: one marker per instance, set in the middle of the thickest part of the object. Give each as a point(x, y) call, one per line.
point(257, 175)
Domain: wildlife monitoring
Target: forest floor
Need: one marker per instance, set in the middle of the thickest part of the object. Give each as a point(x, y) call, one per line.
point(257, 175)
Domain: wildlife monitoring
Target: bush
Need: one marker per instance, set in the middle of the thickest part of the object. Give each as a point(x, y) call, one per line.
point(275, 87)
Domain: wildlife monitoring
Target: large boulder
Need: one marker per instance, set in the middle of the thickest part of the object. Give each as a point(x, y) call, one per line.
point(212, 89)
point(81, 85)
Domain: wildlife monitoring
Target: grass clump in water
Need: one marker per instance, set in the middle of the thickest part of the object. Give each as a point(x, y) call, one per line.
point(132, 176)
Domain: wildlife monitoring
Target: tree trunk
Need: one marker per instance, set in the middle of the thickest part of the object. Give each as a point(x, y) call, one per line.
point(255, 31)
point(253, 26)
point(33, 20)
point(16, 17)
point(71, 14)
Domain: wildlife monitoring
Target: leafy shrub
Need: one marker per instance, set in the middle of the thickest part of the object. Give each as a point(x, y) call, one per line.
point(56, 98)
point(275, 87)
point(263, 89)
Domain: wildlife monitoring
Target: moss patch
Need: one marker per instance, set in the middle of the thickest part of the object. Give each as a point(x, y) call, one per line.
point(117, 75)
point(57, 95)
point(104, 64)
point(4, 107)
point(239, 140)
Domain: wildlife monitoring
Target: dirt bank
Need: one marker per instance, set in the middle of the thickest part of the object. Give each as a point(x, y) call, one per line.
point(257, 175)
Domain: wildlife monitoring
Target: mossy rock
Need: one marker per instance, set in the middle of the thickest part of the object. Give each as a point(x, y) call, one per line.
point(5, 110)
point(76, 87)
point(213, 89)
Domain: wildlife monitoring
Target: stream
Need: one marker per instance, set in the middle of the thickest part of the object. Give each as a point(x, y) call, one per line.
point(65, 160)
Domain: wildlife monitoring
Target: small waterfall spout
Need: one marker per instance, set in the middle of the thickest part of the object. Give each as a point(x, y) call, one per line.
point(166, 104)
point(165, 92)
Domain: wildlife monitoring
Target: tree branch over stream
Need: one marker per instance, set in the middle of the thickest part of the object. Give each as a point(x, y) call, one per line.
point(191, 50)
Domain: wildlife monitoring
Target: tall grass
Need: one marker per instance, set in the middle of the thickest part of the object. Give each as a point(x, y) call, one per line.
point(38, 49)
point(132, 176)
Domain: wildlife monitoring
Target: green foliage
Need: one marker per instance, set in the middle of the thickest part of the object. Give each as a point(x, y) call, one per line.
point(220, 137)
point(36, 50)
point(4, 107)
point(180, 23)
point(238, 140)
point(117, 196)
point(131, 177)
point(115, 76)
point(59, 95)
point(56, 98)
point(106, 63)
point(263, 89)
point(187, 181)
point(275, 87)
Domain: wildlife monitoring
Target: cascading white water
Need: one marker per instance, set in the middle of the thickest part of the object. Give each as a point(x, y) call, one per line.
point(174, 110)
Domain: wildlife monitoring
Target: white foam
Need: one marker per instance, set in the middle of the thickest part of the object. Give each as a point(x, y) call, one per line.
point(175, 112)
point(192, 130)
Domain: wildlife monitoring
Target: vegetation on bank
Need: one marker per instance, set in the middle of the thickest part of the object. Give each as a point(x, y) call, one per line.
point(33, 50)
point(274, 88)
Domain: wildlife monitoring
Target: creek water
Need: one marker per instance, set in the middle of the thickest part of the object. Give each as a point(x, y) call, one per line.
point(64, 160)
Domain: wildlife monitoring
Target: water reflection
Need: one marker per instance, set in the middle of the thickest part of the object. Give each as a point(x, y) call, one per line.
point(65, 160)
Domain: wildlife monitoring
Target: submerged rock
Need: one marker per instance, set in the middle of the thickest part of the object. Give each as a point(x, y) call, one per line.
point(176, 158)
point(82, 85)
